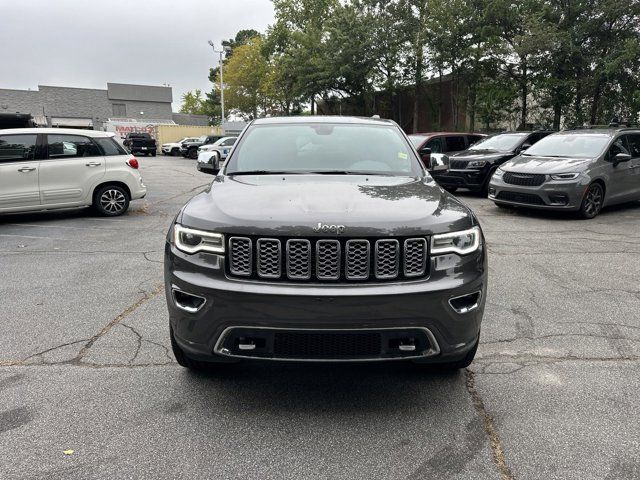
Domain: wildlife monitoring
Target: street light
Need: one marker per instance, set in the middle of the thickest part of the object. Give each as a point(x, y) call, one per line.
point(224, 50)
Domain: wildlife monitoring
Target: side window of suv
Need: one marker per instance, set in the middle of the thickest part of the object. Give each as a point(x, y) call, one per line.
point(70, 146)
point(619, 146)
point(633, 141)
point(228, 142)
point(435, 144)
point(110, 146)
point(17, 148)
point(471, 139)
point(455, 144)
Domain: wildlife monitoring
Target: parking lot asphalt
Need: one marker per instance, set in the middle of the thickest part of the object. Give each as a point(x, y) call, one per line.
point(86, 365)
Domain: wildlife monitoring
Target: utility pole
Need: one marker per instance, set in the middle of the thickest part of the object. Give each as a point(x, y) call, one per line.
point(224, 50)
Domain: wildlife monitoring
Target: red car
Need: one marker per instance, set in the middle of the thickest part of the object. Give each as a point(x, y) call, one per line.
point(442, 142)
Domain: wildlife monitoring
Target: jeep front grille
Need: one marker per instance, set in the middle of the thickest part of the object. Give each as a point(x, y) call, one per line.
point(328, 260)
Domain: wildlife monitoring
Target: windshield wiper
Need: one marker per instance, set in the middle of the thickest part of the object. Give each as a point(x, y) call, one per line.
point(264, 172)
point(344, 172)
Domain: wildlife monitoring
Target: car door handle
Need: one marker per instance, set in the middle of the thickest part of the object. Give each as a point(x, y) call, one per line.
point(26, 169)
point(92, 164)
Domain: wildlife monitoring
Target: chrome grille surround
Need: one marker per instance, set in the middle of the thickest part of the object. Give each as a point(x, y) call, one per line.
point(269, 258)
point(241, 256)
point(318, 259)
point(415, 257)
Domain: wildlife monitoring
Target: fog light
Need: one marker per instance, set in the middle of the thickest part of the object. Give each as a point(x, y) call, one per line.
point(187, 301)
point(466, 303)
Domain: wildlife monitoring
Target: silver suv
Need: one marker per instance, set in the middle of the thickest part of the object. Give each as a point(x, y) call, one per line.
point(49, 168)
point(579, 170)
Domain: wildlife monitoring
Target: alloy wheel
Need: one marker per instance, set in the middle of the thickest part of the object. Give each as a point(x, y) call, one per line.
point(592, 202)
point(113, 201)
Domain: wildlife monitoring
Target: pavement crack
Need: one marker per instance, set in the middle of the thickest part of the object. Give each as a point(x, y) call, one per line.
point(139, 340)
point(489, 428)
point(121, 316)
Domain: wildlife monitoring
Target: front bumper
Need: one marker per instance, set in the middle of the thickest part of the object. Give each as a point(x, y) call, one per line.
point(551, 195)
point(471, 179)
point(408, 308)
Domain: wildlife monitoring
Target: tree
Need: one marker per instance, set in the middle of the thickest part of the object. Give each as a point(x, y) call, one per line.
point(194, 103)
point(245, 76)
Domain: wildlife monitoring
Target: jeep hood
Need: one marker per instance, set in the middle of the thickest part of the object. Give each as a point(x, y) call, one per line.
point(546, 165)
point(293, 204)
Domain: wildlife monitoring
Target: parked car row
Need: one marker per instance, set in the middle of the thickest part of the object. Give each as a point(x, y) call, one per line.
point(579, 170)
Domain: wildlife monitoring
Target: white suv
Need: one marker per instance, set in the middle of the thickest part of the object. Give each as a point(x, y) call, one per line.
point(47, 168)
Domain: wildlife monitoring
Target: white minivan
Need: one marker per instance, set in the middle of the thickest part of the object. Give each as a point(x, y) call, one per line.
point(48, 168)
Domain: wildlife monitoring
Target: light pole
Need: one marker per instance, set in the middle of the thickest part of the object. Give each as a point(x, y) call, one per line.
point(224, 50)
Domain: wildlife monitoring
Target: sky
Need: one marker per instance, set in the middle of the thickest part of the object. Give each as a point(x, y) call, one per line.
point(87, 43)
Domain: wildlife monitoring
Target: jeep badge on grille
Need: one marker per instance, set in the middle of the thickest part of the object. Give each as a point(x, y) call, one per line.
point(321, 227)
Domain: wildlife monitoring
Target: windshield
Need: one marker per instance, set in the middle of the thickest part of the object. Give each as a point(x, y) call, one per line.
point(324, 148)
point(576, 145)
point(505, 142)
point(416, 140)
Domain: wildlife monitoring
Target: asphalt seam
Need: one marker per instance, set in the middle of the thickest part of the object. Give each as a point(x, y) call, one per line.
point(489, 427)
point(121, 316)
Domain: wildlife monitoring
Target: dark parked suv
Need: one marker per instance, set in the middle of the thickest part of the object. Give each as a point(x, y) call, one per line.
point(473, 168)
point(443, 142)
point(325, 239)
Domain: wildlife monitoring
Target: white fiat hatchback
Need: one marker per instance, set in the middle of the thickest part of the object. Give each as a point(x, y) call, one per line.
point(49, 168)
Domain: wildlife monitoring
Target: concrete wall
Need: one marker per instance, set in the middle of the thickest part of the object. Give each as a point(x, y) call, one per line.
point(20, 101)
point(89, 103)
point(173, 133)
point(139, 93)
point(151, 110)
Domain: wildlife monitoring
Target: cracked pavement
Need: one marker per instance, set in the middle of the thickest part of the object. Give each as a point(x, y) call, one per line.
point(86, 363)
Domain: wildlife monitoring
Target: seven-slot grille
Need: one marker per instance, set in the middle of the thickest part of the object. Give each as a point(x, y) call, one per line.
point(352, 260)
point(524, 179)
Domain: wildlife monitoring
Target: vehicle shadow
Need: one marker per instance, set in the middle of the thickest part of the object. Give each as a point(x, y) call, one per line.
point(46, 216)
point(335, 387)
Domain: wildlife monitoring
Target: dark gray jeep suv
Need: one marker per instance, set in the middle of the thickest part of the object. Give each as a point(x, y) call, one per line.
point(324, 239)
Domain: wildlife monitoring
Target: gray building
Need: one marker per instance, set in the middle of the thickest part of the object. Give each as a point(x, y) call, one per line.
point(91, 108)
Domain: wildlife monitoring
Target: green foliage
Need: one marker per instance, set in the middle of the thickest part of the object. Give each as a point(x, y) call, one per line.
point(194, 103)
point(508, 62)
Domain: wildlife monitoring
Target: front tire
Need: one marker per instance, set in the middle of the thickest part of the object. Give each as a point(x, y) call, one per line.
point(175, 152)
point(193, 153)
point(111, 200)
point(464, 362)
point(181, 357)
point(592, 201)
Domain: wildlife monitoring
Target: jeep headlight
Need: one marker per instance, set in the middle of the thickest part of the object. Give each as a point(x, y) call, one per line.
point(477, 164)
point(498, 173)
point(190, 240)
point(462, 243)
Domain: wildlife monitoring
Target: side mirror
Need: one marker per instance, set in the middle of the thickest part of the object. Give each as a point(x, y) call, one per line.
point(621, 157)
point(524, 147)
point(438, 162)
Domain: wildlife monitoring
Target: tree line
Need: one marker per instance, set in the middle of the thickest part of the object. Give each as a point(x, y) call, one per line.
point(548, 62)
